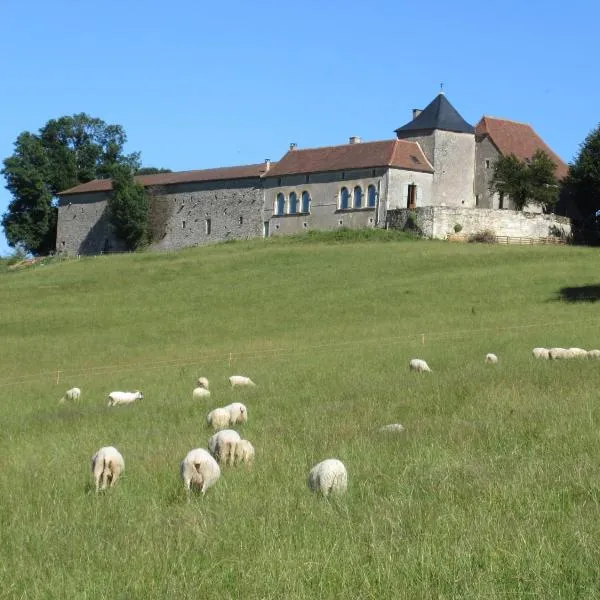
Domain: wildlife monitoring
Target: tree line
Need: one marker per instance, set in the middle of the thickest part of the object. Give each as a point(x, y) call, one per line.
point(76, 149)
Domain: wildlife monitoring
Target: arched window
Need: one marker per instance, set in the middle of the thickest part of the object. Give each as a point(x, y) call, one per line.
point(371, 196)
point(358, 197)
point(305, 202)
point(293, 203)
point(344, 198)
point(280, 204)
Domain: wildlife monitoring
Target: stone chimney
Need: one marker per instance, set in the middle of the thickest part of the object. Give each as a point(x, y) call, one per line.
point(416, 112)
point(355, 139)
point(267, 164)
point(293, 146)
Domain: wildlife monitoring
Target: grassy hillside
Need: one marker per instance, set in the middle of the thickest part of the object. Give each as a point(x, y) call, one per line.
point(492, 490)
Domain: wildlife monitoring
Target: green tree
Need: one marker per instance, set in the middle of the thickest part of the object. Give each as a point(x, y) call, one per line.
point(64, 153)
point(151, 171)
point(526, 182)
point(128, 208)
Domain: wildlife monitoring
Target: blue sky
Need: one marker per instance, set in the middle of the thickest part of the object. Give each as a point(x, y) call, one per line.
point(206, 84)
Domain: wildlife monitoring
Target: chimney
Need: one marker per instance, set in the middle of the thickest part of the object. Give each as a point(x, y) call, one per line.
point(416, 112)
point(267, 164)
point(355, 139)
point(293, 146)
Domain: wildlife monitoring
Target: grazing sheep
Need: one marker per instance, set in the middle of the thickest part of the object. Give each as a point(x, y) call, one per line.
point(72, 394)
point(218, 418)
point(222, 445)
point(578, 353)
point(115, 398)
point(199, 468)
point(244, 452)
point(558, 353)
point(491, 359)
point(328, 477)
point(593, 354)
point(107, 466)
point(419, 365)
point(202, 382)
point(393, 428)
point(542, 353)
point(240, 380)
point(238, 413)
point(200, 392)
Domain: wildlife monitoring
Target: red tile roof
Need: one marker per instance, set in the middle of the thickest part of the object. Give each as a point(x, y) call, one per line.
point(388, 153)
point(241, 172)
point(520, 139)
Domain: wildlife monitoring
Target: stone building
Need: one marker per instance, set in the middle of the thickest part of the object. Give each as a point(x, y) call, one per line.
point(437, 160)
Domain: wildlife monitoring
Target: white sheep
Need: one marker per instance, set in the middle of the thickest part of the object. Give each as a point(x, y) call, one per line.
point(392, 428)
point(578, 353)
point(200, 392)
point(542, 353)
point(115, 398)
point(107, 466)
point(593, 354)
point(419, 365)
point(244, 452)
point(218, 418)
point(491, 359)
point(240, 380)
point(222, 445)
point(72, 394)
point(202, 382)
point(199, 468)
point(328, 477)
point(558, 353)
point(238, 413)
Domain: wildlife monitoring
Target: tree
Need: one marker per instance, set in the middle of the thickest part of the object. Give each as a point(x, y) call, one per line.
point(151, 171)
point(64, 153)
point(128, 208)
point(526, 182)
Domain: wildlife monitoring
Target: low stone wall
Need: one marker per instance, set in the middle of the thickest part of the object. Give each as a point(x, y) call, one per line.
point(439, 222)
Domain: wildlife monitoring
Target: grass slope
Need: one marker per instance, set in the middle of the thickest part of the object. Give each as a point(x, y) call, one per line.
point(492, 491)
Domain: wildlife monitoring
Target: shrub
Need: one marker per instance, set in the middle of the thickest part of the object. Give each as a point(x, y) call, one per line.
point(487, 236)
point(458, 228)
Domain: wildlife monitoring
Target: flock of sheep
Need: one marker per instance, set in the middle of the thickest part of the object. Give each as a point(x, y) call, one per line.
point(202, 468)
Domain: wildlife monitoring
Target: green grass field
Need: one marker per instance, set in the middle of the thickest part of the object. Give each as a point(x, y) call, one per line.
point(492, 490)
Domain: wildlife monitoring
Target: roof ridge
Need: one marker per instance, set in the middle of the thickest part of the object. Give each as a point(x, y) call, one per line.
point(361, 143)
point(509, 120)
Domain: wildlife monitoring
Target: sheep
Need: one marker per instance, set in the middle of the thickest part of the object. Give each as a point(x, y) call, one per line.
point(542, 353)
point(328, 477)
point(107, 466)
point(238, 413)
point(199, 468)
point(202, 382)
point(115, 398)
point(240, 380)
point(222, 445)
point(419, 365)
point(218, 418)
point(491, 359)
point(593, 353)
point(244, 452)
point(72, 394)
point(393, 428)
point(578, 353)
point(558, 353)
point(200, 392)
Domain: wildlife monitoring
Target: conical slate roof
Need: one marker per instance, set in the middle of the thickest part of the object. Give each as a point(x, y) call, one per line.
point(439, 114)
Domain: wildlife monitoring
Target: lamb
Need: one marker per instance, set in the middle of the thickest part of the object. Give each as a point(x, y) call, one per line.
point(593, 353)
point(115, 398)
point(419, 365)
point(491, 359)
point(244, 452)
point(72, 394)
point(202, 382)
point(107, 466)
point(200, 392)
point(218, 418)
point(542, 353)
point(393, 428)
point(238, 413)
point(240, 380)
point(328, 477)
point(222, 445)
point(199, 468)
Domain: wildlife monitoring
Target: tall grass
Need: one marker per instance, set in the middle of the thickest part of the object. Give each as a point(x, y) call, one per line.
point(492, 490)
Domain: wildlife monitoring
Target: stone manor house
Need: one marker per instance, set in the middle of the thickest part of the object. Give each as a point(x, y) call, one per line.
point(438, 165)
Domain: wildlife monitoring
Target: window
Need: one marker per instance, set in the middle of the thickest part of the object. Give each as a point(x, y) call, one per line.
point(208, 226)
point(487, 163)
point(265, 228)
point(305, 202)
point(280, 204)
point(371, 196)
point(411, 196)
point(182, 224)
point(293, 203)
point(476, 199)
point(241, 220)
point(344, 198)
point(358, 197)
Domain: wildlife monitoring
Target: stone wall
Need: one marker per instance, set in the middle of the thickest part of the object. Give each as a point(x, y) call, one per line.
point(399, 180)
point(439, 221)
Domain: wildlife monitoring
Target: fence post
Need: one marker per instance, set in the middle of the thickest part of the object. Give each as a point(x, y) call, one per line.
point(57, 377)
point(230, 360)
